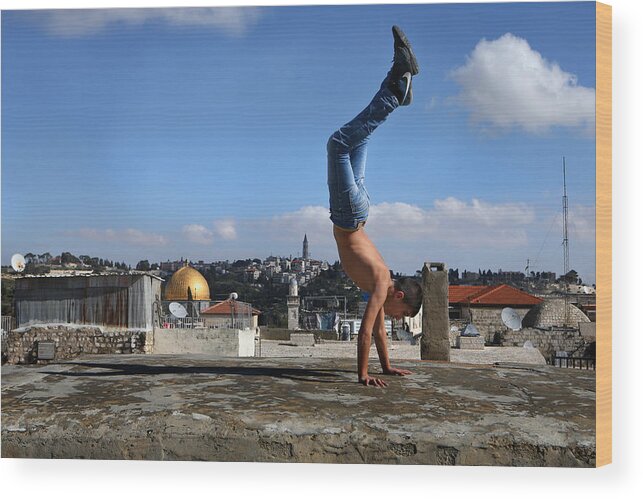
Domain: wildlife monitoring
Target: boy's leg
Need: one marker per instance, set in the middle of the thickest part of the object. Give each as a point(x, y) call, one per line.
point(356, 132)
point(347, 149)
point(347, 146)
point(395, 91)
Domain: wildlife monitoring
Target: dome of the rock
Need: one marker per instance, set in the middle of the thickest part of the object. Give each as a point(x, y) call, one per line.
point(187, 283)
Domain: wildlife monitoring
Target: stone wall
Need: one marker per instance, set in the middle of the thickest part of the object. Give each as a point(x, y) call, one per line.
point(71, 341)
point(215, 342)
point(280, 334)
point(489, 323)
point(549, 341)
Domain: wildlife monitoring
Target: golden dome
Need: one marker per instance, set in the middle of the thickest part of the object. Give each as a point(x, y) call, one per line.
point(187, 278)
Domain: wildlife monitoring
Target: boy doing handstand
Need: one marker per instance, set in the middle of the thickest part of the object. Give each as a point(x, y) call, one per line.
point(349, 206)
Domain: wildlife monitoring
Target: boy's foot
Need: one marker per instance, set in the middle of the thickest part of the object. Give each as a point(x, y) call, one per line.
point(403, 59)
point(405, 65)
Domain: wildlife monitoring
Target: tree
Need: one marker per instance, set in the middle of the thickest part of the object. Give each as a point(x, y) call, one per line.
point(241, 263)
point(570, 277)
point(67, 257)
point(143, 265)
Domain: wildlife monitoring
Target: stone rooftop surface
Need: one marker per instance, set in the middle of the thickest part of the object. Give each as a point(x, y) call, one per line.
point(401, 350)
point(297, 410)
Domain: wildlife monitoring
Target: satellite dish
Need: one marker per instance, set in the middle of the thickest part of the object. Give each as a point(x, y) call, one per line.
point(511, 319)
point(18, 262)
point(470, 330)
point(528, 344)
point(178, 310)
point(234, 296)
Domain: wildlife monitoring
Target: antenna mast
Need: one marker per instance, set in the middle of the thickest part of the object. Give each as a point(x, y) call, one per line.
point(565, 242)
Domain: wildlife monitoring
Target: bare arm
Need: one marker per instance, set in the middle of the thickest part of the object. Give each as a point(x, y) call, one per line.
point(373, 308)
point(380, 340)
point(382, 349)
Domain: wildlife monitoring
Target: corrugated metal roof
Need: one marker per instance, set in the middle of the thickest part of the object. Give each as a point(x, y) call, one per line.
point(111, 299)
point(73, 273)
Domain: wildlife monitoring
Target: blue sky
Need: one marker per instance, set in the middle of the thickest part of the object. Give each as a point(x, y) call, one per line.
point(200, 133)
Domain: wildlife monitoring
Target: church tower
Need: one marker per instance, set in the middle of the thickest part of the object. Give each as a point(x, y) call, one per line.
point(305, 254)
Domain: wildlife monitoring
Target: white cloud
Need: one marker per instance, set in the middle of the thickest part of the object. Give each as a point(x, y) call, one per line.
point(197, 234)
point(129, 236)
point(81, 22)
point(453, 221)
point(226, 229)
point(505, 83)
point(468, 234)
point(450, 221)
point(309, 219)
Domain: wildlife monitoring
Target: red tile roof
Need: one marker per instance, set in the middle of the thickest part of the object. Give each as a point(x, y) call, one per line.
point(459, 294)
point(501, 294)
point(225, 308)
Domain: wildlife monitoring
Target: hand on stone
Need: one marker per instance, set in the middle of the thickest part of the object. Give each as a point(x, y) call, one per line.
point(397, 372)
point(368, 381)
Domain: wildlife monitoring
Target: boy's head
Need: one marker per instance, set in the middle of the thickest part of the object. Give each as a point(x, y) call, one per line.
point(406, 299)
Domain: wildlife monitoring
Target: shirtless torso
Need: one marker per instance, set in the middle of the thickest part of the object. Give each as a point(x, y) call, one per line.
point(361, 260)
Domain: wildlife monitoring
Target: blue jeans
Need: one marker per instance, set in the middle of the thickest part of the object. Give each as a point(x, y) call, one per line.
point(349, 200)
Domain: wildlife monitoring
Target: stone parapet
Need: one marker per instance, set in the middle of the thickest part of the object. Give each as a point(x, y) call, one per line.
point(470, 342)
point(222, 342)
point(548, 341)
point(302, 339)
point(71, 341)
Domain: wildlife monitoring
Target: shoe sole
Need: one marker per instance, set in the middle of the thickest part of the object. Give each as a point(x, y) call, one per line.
point(401, 38)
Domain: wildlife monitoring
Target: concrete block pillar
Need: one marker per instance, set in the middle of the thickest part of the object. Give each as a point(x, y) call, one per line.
point(435, 312)
point(293, 312)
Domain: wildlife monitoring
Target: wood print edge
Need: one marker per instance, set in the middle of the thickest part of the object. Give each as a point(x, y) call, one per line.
point(603, 234)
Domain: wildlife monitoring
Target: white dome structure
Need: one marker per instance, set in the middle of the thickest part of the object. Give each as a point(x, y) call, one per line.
point(293, 289)
point(551, 313)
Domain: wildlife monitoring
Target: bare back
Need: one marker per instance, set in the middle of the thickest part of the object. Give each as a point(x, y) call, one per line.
point(361, 260)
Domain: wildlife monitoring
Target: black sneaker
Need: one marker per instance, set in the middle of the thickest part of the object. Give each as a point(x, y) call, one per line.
point(402, 89)
point(403, 59)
